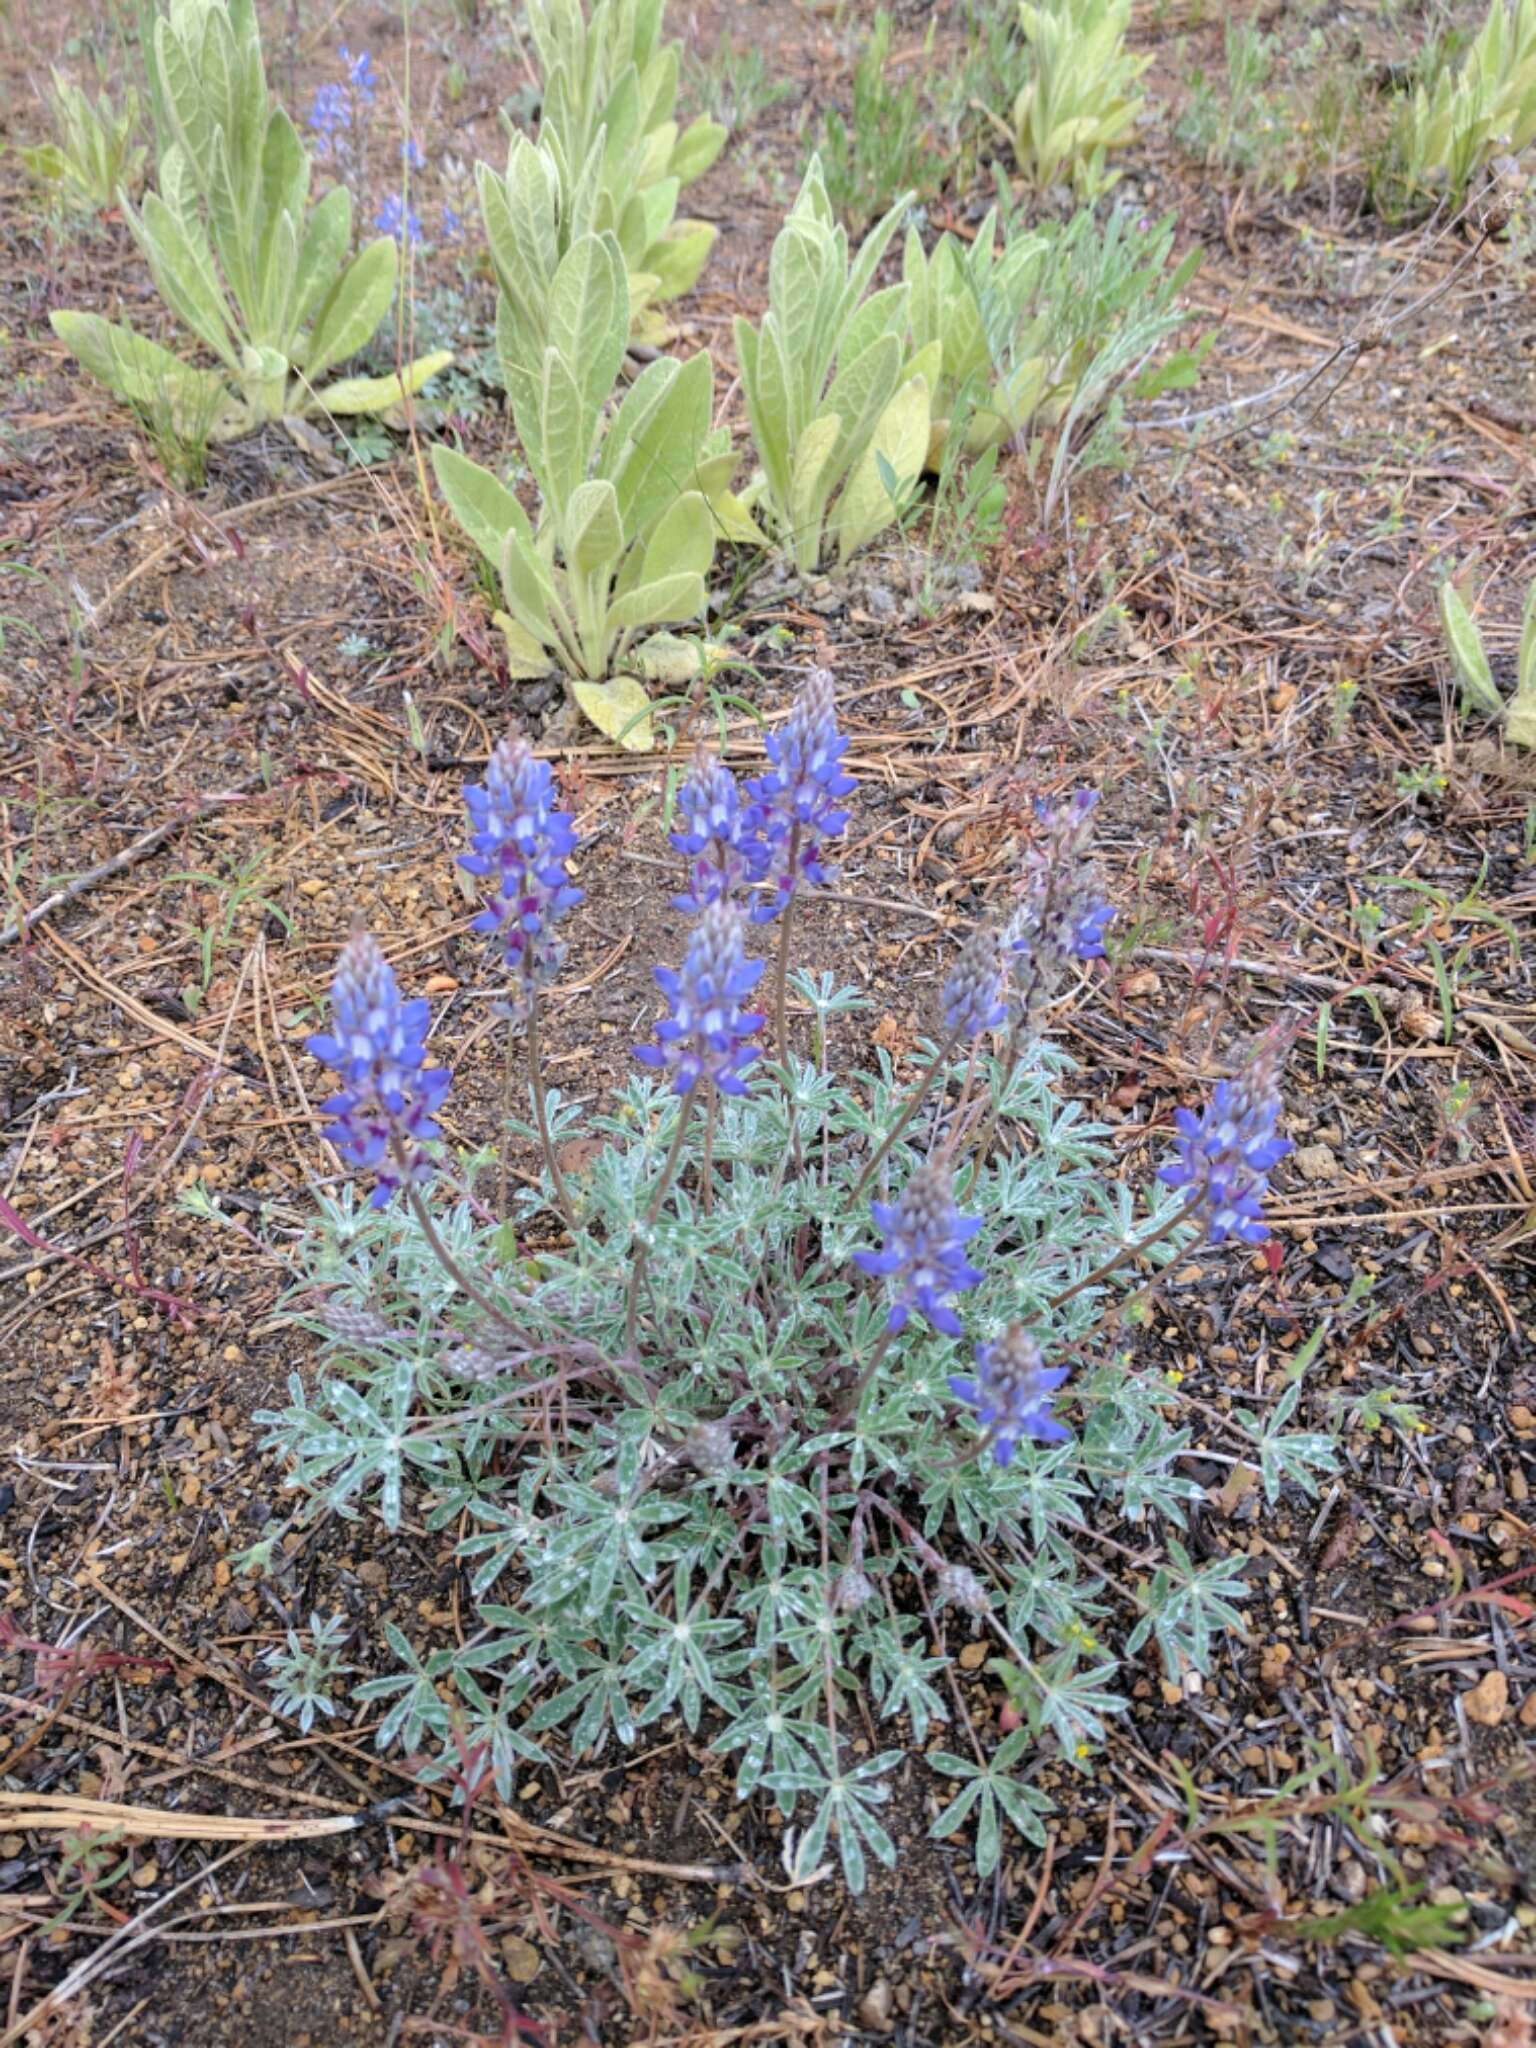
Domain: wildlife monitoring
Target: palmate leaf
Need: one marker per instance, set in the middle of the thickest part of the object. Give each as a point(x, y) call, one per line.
point(991, 1793)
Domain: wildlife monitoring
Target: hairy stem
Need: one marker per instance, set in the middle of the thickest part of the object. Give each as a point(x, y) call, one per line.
point(708, 1189)
point(541, 1116)
point(915, 1102)
point(781, 967)
point(446, 1259)
point(1127, 1252)
point(643, 1235)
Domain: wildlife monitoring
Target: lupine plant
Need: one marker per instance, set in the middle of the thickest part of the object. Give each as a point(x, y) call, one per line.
point(260, 277)
point(838, 403)
point(806, 1376)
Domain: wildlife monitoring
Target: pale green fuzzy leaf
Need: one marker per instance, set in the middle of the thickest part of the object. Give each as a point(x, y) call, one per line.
point(677, 258)
point(482, 505)
point(657, 460)
point(141, 372)
point(1526, 671)
point(667, 602)
point(696, 149)
point(588, 324)
point(668, 659)
point(529, 591)
point(322, 251)
point(565, 429)
point(682, 541)
point(811, 486)
point(379, 394)
point(351, 311)
point(594, 535)
point(860, 393)
point(619, 709)
point(865, 507)
point(228, 213)
point(527, 657)
point(1469, 657)
point(187, 287)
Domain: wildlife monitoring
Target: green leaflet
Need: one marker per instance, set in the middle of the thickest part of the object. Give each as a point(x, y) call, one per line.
point(258, 275)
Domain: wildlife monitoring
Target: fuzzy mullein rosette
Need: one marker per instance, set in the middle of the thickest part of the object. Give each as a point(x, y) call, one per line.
point(383, 1118)
point(520, 844)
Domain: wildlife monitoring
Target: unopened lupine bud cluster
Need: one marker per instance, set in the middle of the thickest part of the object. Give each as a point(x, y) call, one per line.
point(1060, 916)
point(1224, 1156)
point(923, 1256)
point(519, 845)
point(383, 1117)
point(973, 998)
point(1012, 1391)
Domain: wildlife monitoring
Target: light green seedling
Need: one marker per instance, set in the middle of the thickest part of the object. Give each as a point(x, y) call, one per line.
point(1474, 672)
point(610, 89)
point(259, 276)
point(1080, 101)
point(839, 404)
point(626, 535)
point(95, 155)
point(1486, 107)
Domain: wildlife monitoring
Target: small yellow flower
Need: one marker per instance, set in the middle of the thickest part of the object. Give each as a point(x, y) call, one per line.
point(1174, 1377)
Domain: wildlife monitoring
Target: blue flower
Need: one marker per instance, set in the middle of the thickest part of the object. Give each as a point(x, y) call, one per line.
point(923, 1253)
point(384, 1115)
point(519, 844)
point(411, 154)
point(718, 834)
point(360, 74)
point(973, 994)
point(796, 801)
point(453, 225)
point(1060, 916)
point(705, 1036)
point(395, 218)
point(331, 112)
point(1012, 1391)
point(1224, 1156)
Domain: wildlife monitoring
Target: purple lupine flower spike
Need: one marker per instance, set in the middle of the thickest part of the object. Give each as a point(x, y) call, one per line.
point(923, 1254)
point(973, 993)
point(396, 219)
point(384, 1115)
point(1224, 1156)
point(717, 832)
point(1060, 916)
point(1012, 1391)
point(520, 844)
point(705, 1038)
point(797, 799)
